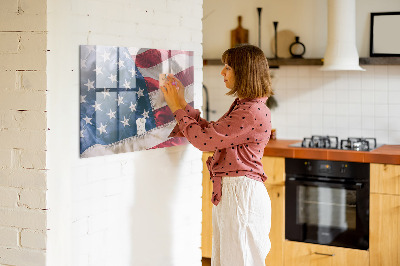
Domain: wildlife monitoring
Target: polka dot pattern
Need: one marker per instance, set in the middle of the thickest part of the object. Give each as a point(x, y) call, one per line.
point(238, 139)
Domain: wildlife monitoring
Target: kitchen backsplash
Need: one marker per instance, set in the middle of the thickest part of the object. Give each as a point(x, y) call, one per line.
point(314, 102)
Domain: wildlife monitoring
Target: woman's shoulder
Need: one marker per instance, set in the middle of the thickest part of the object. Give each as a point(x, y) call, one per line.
point(255, 105)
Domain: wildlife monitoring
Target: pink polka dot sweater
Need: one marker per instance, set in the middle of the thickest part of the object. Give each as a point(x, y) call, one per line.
point(238, 139)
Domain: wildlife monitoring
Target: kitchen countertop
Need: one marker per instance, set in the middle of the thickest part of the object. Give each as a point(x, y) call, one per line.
point(389, 154)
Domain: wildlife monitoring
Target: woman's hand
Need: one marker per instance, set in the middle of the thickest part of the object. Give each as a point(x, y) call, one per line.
point(174, 93)
point(181, 91)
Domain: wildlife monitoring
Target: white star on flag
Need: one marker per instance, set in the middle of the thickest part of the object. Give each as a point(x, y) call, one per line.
point(83, 98)
point(113, 78)
point(127, 85)
point(121, 63)
point(83, 63)
point(145, 114)
point(102, 128)
point(127, 55)
point(97, 106)
point(125, 121)
point(82, 133)
point(106, 56)
point(106, 93)
point(140, 93)
point(90, 48)
point(132, 107)
point(120, 100)
point(133, 72)
point(88, 120)
point(89, 84)
point(98, 70)
point(111, 114)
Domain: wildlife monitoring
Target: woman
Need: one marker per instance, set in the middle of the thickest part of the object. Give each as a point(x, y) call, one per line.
point(242, 208)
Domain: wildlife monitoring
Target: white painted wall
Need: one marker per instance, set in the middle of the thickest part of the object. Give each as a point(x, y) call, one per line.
point(311, 102)
point(23, 133)
point(306, 19)
point(141, 208)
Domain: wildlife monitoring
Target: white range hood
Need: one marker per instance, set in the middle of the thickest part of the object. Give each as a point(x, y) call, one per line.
point(341, 51)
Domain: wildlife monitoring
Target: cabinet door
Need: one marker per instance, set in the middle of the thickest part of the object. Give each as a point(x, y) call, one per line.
point(304, 254)
point(277, 233)
point(206, 232)
point(274, 168)
point(385, 178)
point(384, 230)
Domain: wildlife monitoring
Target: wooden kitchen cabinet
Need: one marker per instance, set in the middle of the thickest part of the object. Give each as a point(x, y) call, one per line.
point(206, 225)
point(274, 168)
point(305, 254)
point(384, 236)
point(385, 215)
point(385, 178)
point(277, 233)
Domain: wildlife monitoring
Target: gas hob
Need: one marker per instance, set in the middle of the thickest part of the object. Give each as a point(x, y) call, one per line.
point(332, 142)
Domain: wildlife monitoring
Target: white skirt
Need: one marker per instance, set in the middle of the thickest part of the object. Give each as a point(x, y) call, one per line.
point(241, 223)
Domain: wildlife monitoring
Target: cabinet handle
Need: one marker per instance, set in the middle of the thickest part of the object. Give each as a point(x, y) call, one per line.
point(324, 254)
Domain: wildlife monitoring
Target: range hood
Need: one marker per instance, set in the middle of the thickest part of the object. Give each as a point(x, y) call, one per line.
point(341, 51)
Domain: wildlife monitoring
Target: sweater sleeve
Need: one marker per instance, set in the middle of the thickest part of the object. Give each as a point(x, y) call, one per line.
point(229, 131)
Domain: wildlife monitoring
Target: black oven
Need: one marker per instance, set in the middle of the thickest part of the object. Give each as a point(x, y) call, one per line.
point(327, 202)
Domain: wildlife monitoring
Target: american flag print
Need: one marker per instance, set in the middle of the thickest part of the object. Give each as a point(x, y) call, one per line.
point(122, 108)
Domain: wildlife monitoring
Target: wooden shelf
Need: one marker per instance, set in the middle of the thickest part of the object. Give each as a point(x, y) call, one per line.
point(274, 63)
point(380, 61)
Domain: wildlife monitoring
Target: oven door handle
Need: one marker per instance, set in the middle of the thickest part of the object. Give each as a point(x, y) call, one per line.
point(357, 185)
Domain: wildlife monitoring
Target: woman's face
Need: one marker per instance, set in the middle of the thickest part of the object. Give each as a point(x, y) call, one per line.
point(229, 76)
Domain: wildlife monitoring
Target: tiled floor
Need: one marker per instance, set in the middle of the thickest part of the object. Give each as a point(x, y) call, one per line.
point(206, 261)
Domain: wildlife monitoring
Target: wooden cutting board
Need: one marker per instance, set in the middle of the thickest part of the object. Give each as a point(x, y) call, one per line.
point(239, 35)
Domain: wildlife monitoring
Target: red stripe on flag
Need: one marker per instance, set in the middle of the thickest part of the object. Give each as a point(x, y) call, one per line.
point(152, 84)
point(163, 115)
point(186, 76)
point(151, 58)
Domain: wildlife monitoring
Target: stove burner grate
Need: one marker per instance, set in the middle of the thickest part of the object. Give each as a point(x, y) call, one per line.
point(358, 144)
point(332, 142)
point(327, 142)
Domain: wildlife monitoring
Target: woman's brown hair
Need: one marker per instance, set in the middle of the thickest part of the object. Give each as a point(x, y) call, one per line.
point(250, 66)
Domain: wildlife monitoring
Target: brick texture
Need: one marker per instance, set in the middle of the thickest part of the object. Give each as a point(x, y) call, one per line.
point(23, 125)
point(33, 239)
point(9, 237)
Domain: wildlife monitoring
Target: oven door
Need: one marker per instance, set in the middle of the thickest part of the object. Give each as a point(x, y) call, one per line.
point(327, 213)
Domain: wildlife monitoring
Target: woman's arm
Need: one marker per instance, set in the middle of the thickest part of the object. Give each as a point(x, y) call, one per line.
point(235, 129)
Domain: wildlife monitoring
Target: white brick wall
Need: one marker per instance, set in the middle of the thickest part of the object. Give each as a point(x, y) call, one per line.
point(140, 208)
point(33, 239)
point(23, 132)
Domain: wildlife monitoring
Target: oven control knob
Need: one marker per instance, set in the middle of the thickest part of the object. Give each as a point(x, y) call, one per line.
point(343, 168)
point(308, 166)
